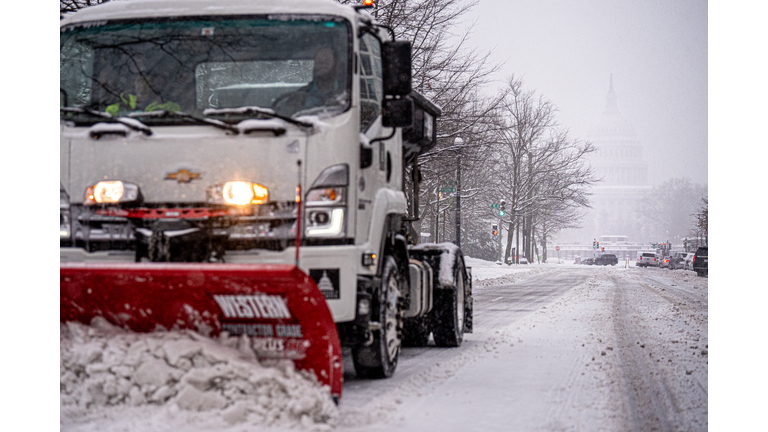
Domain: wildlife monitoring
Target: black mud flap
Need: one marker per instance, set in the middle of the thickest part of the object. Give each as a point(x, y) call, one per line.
point(468, 301)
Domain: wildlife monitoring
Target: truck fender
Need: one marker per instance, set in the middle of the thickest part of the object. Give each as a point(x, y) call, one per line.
point(388, 208)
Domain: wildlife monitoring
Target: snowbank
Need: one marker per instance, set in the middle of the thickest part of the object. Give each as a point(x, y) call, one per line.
point(116, 380)
point(482, 270)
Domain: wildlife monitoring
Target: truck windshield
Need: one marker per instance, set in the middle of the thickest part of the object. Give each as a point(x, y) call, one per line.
point(293, 65)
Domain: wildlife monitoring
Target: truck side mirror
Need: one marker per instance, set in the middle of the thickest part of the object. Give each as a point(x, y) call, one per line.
point(396, 65)
point(397, 113)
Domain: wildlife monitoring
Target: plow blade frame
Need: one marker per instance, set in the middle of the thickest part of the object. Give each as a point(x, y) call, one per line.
point(277, 305)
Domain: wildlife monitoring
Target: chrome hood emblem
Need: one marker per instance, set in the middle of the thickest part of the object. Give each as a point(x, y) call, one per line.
point(183, 176)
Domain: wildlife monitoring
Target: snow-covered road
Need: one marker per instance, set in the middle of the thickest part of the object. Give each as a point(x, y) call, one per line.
point(564, 348)
point(555, 348)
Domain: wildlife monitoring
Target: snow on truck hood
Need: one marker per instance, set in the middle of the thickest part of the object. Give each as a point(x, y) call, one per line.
point(174, 8)
point(178, 163)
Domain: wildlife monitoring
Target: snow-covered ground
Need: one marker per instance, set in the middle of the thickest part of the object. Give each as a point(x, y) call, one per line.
point(624, 348)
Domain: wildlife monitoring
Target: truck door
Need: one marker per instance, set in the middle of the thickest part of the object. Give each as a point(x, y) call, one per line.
point(371, 95)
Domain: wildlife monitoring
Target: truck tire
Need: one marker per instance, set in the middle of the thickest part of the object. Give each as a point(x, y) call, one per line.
point(379, 359)
point(448, 314)
point(416, 332)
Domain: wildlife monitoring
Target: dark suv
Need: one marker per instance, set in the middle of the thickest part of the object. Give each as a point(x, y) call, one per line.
point(700, 261)
point(606, 259)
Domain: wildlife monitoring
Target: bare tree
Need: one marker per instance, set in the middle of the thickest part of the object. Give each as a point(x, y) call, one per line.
point(68, 6)
point(700, 229)
point(539, 168)
point(668, 209)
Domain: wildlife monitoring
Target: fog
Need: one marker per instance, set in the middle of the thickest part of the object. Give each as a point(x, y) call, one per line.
point(655, 50)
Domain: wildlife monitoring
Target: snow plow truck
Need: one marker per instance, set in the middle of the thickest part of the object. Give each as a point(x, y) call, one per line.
point(240, 168)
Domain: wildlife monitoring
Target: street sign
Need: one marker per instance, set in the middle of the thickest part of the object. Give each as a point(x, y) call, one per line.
point(449, 189)
point(494, 206)
point(557, 248)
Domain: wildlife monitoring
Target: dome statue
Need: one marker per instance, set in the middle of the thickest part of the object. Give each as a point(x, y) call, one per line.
point(612, 126)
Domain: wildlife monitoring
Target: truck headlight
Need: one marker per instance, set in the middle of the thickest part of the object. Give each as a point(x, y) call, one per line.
point(325, 222)
point(237, 193)
point(110, 192)
point(326, 202)
point(326, 197)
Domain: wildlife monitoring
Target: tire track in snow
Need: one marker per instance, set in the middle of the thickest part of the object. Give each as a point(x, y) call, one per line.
point(647, 396)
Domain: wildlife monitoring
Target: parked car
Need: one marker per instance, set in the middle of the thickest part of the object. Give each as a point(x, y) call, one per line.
point(664, 263)
point(647, 259)
point(511, 260)
point(606, 259)
point(688, 262)
point(676, 260)
point(701, 261)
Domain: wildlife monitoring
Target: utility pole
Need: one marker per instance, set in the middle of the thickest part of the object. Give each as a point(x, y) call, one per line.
point(444, 223)
point(458, 142)
point(501, 230)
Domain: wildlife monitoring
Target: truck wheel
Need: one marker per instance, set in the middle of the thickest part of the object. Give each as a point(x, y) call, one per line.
point(379, 359)
point(448, 318)
point(415, 332)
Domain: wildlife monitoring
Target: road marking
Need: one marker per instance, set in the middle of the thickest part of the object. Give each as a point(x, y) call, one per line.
point(498, 298)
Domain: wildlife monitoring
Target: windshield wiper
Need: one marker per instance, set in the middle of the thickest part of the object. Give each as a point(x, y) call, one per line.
point(200, 120)
point(131, 123)
point(251, 110)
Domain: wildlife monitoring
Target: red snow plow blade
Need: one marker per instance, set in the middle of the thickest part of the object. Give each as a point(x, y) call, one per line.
point(278, 305)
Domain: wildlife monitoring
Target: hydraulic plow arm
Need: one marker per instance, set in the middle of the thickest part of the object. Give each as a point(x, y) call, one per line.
point(277, 305)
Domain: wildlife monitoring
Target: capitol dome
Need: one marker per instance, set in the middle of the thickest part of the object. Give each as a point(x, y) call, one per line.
point(618, 160)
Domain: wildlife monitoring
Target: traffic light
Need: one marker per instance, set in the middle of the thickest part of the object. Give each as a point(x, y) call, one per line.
point(495, 229)
point(598, 245)
point(502, 204)
point(594, 244)
point(603, 250)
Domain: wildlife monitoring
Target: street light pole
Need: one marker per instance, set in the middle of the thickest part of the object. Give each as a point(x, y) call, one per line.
point(458, 142)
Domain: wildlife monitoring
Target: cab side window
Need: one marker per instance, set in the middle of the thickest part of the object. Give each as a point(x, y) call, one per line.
point(371, 85)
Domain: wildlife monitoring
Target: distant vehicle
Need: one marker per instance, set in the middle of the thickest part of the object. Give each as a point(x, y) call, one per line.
point(701, 261)
point(589, 261)
point(688, 261)
point(647, 259)
point(676, 260)
point(606, 259)
point(614, 239)
point(664, 263)
point(511, 260)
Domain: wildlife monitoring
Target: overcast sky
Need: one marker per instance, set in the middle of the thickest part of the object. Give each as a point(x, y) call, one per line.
point(655, 49)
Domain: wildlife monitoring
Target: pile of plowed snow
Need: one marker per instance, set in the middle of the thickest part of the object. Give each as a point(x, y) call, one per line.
point(511, 277)
point(117, 380)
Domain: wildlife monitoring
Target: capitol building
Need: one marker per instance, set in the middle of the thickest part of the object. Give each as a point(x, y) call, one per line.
point(618, 164)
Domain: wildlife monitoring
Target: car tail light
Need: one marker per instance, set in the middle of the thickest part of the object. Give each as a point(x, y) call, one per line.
point(694, 258)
